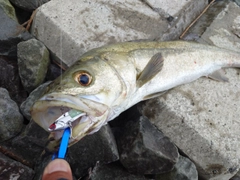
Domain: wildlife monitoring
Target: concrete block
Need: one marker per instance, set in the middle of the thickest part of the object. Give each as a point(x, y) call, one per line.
point(225, 29)
point(202, 119)
point(69, 28)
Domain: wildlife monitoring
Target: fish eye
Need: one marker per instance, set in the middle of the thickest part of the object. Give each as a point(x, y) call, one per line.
point(83, 78)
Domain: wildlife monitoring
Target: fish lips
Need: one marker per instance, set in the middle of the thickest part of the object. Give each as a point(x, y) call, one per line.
point(51, 106)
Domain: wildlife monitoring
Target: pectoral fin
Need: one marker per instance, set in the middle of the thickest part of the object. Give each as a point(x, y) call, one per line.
point(153, 67)
point(218, 75)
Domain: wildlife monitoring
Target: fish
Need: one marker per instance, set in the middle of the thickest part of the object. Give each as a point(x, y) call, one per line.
point(106, 81)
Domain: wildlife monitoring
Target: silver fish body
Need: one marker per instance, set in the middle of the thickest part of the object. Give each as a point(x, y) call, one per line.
point(122, 75)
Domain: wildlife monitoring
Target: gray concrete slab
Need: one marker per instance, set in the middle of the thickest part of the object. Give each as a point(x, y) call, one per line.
point(69, 28)
point(224, 31)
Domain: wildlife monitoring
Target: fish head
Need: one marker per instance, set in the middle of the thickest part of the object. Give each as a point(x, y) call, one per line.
point(90, 87)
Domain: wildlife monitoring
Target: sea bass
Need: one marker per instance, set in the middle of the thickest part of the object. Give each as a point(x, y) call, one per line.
point(108, 80)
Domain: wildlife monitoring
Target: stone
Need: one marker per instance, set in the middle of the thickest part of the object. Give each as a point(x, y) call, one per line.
point(98, 147)
point(33, 96)
point(33, 62)
point(202, 119)
point(144, 149)
point(113, 171)
point(184, 169)
point(28, 5)
point(53, 72)
point(11, 121)
point(10, 79)
point(11, 32)
point(71, 28)
point(14, 170)
point(33, 139)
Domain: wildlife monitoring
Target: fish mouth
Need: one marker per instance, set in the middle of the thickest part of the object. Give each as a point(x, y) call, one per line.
point(50, 107)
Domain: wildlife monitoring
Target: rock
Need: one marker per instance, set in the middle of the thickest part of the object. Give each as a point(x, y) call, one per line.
point(33, 139)
point(28, 5)
point(11, 32)
point(13, 170)
point(183, 170)
point(202, 119)
point(98, 147)
point(10, 79)
point(33, 62)
point(145, 150)
point(40, 166)
point(236, 177)
point(53, 72)
point(113, 171)
point(224, 31)
point(104, 22)
point(34, 95)
point(11, 121)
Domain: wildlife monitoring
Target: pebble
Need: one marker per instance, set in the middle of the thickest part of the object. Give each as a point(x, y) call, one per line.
point(11, 121)
point(33, 62)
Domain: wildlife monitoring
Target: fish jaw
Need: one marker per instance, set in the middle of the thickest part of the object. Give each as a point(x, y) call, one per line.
point(51, 106)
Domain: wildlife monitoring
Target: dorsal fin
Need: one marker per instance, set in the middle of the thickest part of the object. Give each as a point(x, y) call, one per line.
point(153, 67)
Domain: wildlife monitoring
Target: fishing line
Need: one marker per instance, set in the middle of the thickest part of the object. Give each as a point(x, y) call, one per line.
point(61, 45)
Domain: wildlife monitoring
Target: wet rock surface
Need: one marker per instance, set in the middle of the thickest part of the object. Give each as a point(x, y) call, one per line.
point(33, 62)
point(11, 121)
point(214, 150)
point(28, 5)
point(11, 32)
point(11, 169)
point(113, 171)
point(184, 169)
point(145, 150)
point(10, 79)
point(98, 147)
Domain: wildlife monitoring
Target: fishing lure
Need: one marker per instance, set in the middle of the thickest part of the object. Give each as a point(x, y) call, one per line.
point(66, 120)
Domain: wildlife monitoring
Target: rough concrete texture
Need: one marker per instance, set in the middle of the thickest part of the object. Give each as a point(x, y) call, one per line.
point(202, 119)
point(225, 29)
point(69, 28)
